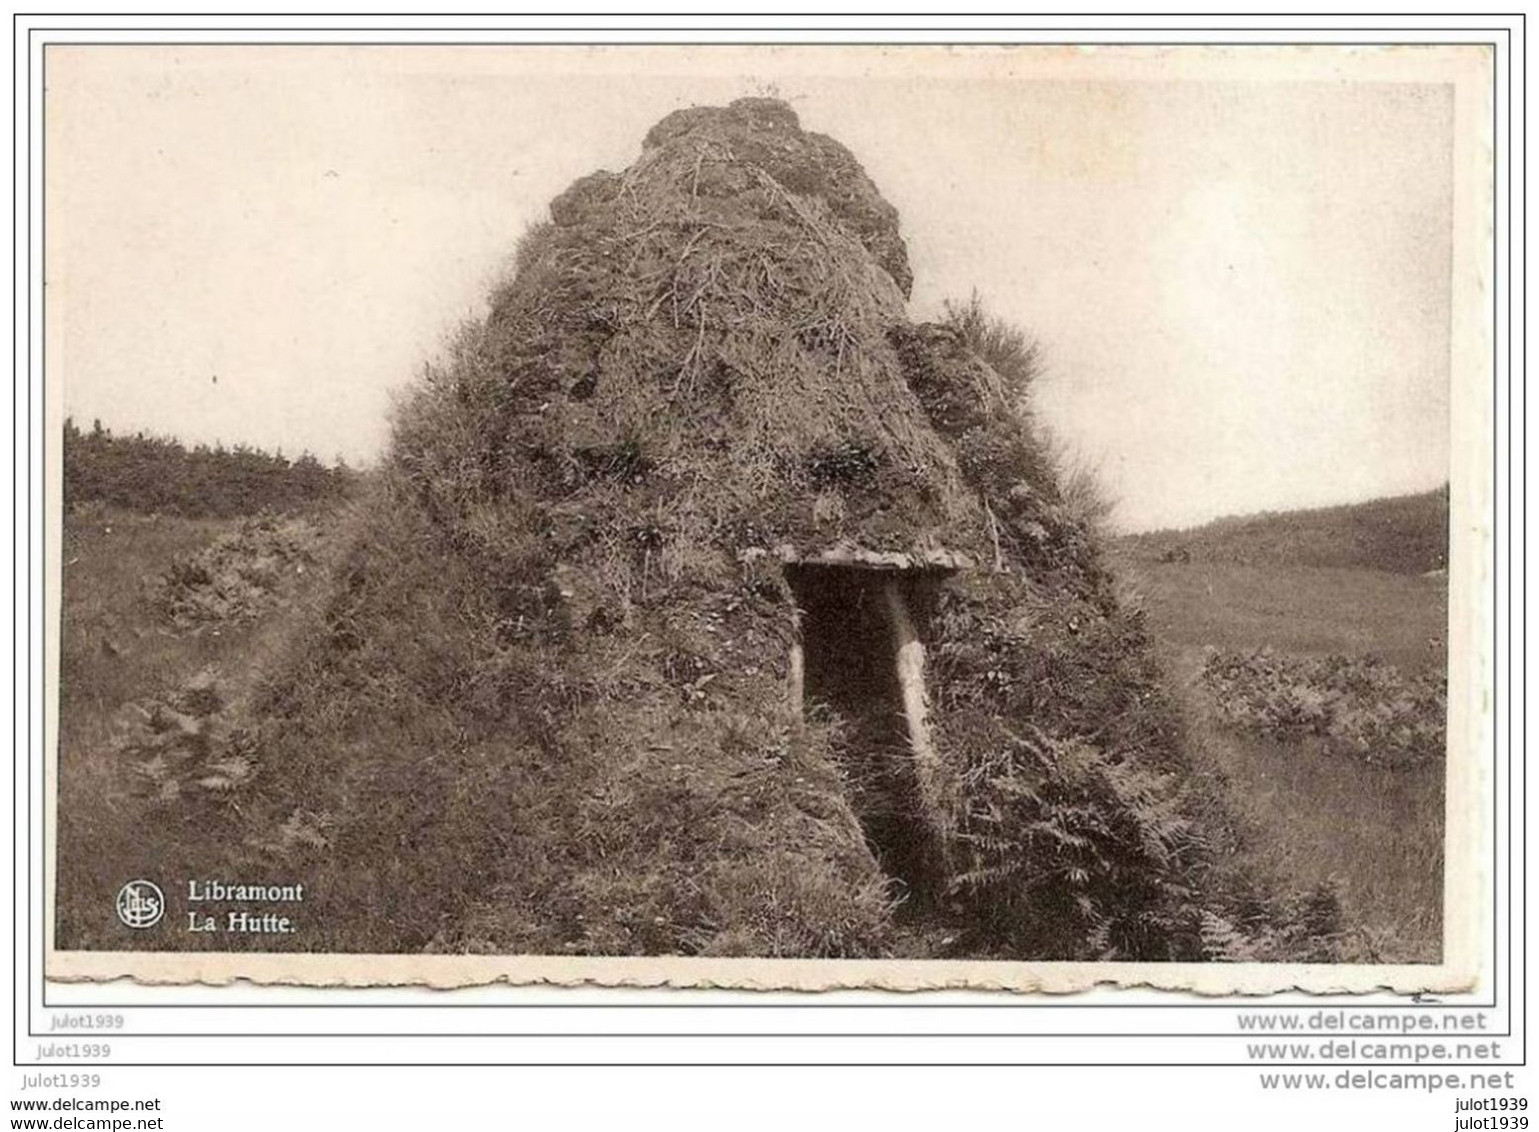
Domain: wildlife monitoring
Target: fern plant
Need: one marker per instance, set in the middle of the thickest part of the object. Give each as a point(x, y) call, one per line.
point(1064, 851)
point(1297, 926)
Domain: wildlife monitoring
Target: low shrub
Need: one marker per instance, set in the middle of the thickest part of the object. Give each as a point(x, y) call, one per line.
point(185, 746)
point(1360, 707)
point(1012, 353)
point(240, 575)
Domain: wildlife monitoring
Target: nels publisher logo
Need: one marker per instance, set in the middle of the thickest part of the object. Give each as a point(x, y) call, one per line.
point(141, 904)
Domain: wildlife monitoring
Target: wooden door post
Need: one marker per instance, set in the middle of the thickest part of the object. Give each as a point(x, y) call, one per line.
point(916, 708)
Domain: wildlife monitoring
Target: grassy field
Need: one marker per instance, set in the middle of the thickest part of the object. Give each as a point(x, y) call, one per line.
point(1376, 832)
point(1296, 609)
point(118, 648)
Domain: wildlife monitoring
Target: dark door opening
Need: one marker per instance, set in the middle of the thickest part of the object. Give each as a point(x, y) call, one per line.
point(861, 662)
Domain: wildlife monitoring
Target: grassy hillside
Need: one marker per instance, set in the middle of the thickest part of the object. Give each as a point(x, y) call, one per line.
point(1404, 535)
point(123, 659)
point(1313, 814)
point(183, 567)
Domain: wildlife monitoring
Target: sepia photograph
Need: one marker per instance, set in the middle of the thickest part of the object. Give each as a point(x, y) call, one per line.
point(768, 517)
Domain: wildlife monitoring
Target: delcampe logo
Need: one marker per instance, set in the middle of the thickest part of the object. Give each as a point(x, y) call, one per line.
point(141, 904)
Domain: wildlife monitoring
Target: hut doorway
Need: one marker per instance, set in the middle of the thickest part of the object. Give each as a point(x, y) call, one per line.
point(860, 659)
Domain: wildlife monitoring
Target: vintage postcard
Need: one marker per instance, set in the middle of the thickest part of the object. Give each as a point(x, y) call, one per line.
point(770, 517)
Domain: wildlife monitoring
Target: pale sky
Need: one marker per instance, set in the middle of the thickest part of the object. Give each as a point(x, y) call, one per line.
point(1242, 287)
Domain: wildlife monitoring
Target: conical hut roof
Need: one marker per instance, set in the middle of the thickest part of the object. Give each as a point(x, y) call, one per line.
point(716, 328)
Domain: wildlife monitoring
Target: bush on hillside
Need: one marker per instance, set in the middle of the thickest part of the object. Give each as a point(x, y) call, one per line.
point(1008, 350)
point(240, 575)
point(1359, 707)
point(185, 746)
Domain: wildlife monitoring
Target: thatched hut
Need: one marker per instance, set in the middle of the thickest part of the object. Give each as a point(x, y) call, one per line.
point(709, 605)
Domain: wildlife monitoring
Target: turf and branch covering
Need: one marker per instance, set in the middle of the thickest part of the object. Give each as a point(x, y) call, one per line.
point(546, 708)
